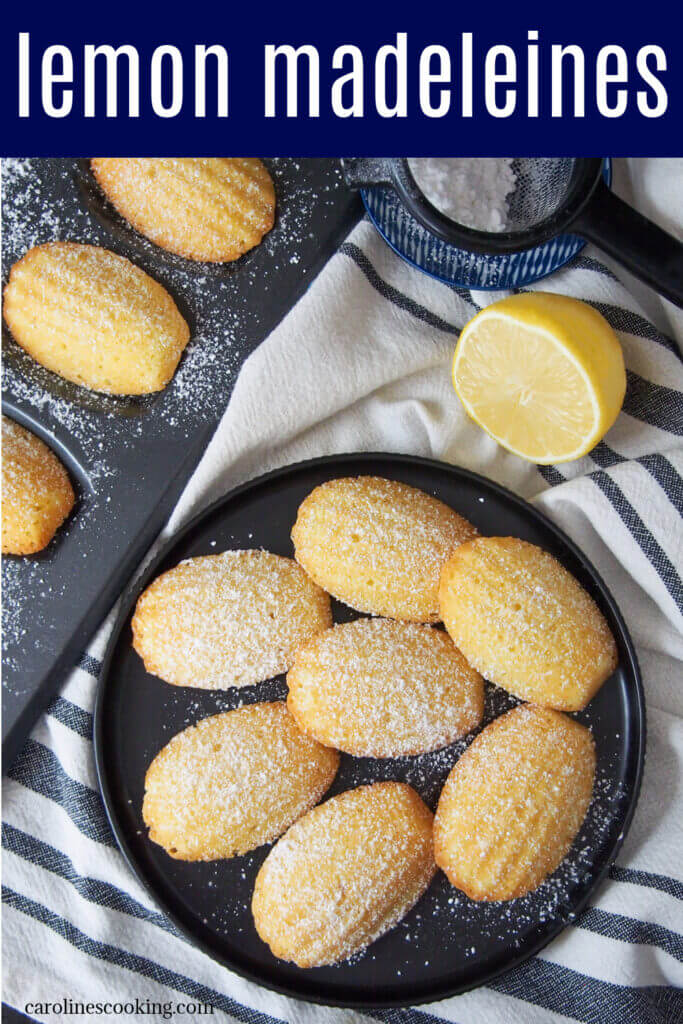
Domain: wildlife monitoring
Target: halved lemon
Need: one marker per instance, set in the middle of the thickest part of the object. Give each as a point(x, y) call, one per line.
point(543, 374)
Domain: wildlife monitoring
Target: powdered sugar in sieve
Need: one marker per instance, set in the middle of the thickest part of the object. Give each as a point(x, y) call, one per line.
point(472, 191)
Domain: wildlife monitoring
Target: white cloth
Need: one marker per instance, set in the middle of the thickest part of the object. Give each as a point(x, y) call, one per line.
point(363, 363)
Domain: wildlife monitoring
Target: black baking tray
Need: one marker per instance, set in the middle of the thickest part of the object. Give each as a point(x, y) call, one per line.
point(448, 943)
point(130, 458)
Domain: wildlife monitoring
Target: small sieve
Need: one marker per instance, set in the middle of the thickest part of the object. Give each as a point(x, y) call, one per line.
point(552, 196)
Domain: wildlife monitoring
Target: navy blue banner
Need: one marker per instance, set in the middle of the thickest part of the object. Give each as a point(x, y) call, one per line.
point(446, 80)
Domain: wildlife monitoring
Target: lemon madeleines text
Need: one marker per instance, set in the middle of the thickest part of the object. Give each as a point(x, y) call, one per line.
point(514, 802)
point(37, 495)
point(233, 782)
point(227, 620)
point(212, 209)
point(525, 623)
point(344, 874)
point(378, 545)
point(94, 318)
point(379, 688)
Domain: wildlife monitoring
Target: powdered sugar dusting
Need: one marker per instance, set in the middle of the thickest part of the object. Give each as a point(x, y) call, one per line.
point(111, 444)
point(472, 191)
point(345, 874)
point(378, 545)
point(380, 688)
point(233, 782)
point(232, 619)
point(525, 623)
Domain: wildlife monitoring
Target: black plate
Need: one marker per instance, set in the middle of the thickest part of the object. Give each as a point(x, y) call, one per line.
point(447, 943)
point(130, 458)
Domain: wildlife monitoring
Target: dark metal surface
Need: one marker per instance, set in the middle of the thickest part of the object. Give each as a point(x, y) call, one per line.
point(447, 944)
point(12, 1016)
point(130, 458)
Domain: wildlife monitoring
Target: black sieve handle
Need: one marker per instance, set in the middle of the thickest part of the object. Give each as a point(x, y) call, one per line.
point(367, 172)
point(648, 251)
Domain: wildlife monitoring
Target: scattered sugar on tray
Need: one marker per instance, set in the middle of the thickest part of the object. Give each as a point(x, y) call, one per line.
point(22, 580)
point(213, 356)
point(20, 230)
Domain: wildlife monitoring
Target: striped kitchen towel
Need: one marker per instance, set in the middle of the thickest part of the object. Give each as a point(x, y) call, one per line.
point(362, 363)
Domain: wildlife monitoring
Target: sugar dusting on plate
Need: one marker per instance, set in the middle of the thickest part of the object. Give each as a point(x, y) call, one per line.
point(471, 930)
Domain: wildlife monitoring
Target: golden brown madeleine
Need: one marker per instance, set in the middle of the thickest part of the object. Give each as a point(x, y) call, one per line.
point(380, 688)
point(525, 623)
point(514, 802)
point(212, 209)
point(344, 874)
point(234, 781)
point(37, 495)
point(378, 545)
point(232, 619)
point(94, 318)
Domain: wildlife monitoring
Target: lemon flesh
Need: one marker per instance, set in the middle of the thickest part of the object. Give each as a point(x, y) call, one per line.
point(543, 374)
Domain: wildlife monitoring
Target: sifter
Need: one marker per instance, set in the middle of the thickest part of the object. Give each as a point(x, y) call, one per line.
point(553, 196)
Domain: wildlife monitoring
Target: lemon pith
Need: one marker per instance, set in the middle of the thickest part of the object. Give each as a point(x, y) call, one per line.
point(543, 374)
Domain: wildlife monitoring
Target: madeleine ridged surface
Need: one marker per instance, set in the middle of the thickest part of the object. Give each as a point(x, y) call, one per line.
point(233, 782)
point(525, 623)
point(344, 874)
point(380, 688)
point(205, 208)
point(94, 318)
point(37, 495)
point(378, 545)
point(232, 619)
point(514, 802)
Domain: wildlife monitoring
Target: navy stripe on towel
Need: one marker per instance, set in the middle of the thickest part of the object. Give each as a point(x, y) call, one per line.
point(662, 883)
point(70, 715)
point(410, 1015)
point(629, 929)
point(39, 769)
point(103, 894)
point(657, 465)
point(590, 1000)
point(655, 404)
point(90, 665)
point(132, 961)
point(583, 262)
point(393, 294)
point(551, 475)
point(639, 531)
point(667, 476)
